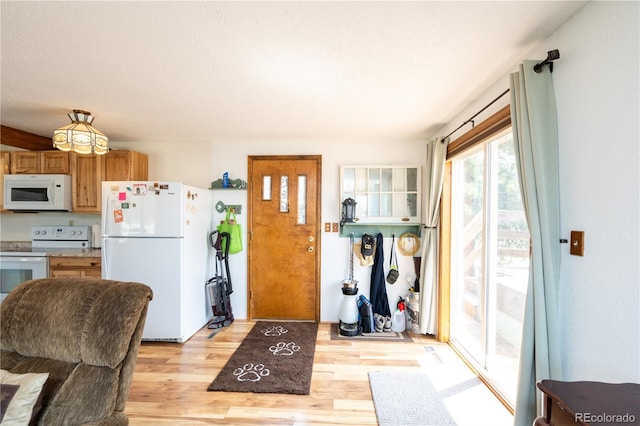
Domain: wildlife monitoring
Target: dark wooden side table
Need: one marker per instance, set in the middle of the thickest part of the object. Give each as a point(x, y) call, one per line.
point(589, 403)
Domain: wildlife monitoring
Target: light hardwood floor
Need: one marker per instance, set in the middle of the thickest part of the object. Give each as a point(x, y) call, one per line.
point(170, 383)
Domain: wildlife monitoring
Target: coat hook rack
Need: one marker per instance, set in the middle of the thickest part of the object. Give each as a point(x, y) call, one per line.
point(222, 208)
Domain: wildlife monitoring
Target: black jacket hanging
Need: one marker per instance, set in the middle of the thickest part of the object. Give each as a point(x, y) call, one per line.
point(379, 298)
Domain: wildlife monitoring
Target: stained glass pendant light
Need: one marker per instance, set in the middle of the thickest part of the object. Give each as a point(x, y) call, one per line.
point(80, 136)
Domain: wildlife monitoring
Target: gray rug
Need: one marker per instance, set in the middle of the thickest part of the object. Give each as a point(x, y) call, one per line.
point(275, 357)
point(407, 398)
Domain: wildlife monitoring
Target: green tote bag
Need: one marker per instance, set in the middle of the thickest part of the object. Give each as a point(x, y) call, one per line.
point(231, 225)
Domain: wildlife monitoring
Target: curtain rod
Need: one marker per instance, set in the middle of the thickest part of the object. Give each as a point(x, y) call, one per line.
point(552, 55)
point(476, 114)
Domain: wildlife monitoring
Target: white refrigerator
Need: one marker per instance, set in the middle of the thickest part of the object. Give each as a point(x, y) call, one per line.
point(157, 233)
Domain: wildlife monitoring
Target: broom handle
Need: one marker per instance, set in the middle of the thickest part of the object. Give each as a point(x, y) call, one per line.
point(351, 257)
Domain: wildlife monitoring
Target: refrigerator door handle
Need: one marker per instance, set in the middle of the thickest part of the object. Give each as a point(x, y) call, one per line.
point(105, 263)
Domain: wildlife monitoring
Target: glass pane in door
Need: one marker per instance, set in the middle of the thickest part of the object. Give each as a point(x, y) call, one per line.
point(284, 194)
point(510, 270)
point(489, 261)
point(266, 188)
point(11, 278)
point(469, 266)
point(302, 200)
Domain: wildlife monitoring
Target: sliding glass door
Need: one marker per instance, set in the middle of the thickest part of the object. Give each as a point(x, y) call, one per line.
point(489, 261)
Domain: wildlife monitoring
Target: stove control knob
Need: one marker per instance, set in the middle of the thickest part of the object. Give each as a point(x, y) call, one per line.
point(73, 232)
point(44, 232)
point(37, 232)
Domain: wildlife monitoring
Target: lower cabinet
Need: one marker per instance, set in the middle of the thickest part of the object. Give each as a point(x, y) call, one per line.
point(74, 266)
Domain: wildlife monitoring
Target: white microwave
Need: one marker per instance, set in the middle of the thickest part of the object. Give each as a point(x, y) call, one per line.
point(37, 192)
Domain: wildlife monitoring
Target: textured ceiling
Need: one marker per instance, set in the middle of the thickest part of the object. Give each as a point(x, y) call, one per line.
point(250, 71)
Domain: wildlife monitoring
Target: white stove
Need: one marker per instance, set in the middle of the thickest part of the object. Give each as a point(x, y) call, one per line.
point(23, 262)
point(46, 238)
point(72, 237)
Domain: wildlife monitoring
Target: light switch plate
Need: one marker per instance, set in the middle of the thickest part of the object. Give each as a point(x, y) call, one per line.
point(576, 244)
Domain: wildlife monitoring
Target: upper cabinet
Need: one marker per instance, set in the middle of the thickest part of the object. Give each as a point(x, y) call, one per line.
point(89, 171)
point(5, 162)
point(40, 162)
point(126, 165)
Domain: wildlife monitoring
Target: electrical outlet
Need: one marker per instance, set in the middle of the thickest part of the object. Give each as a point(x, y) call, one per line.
point(327, 227)
point(576, 244)
point(335, 226)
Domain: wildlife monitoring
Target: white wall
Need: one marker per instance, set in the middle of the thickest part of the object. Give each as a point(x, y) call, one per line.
point(598, 110)
point(596, 82)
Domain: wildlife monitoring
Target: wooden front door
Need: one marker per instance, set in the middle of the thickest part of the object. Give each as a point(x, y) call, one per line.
point(284, 237)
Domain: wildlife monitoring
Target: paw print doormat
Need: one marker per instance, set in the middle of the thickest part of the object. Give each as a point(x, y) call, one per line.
point(275, 357)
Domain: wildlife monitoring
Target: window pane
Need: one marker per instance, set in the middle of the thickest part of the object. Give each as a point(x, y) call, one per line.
point(387, 180)
point(266, 188)
point(399, 179)
point(412, 205)
point(412, 179)
point(374, 205)
point(349, 179)
point(374, 180)
point(386, 205)
point(399, 204)
point(361, 205)
point(284, 194)
point(361, 179)
point(302, 200)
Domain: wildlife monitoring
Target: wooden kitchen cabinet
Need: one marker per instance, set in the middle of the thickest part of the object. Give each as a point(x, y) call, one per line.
point(40, 162)
point(5, 163)
point(126, 165)
point(89, 171)
point(74, 266)
point(25, 162)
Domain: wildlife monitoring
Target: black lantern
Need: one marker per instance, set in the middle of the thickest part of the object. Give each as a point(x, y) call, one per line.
point(349, 210)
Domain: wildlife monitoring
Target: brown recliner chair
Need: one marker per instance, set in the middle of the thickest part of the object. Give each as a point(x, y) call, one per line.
point(86, 334)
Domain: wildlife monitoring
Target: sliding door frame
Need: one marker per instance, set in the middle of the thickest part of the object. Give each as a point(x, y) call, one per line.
point(480, 133)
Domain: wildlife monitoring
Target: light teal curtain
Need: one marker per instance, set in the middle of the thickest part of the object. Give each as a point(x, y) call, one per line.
point(429, 266)
point(535, 136)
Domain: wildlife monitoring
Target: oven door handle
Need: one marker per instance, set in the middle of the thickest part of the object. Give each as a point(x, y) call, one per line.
point(25, 259)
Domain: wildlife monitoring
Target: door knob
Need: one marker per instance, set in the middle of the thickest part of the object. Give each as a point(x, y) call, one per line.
point(310, 249)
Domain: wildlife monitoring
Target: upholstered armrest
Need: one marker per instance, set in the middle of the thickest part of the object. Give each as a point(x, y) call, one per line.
point(85, 333)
